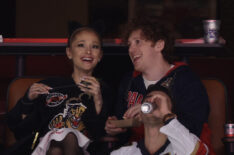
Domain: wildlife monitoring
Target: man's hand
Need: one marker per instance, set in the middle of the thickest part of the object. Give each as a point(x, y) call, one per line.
point(111, 129)
point(133, 112)
point(163, 102)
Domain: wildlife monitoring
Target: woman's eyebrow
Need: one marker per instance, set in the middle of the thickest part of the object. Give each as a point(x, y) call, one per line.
point(81, 41)
point(96, 42)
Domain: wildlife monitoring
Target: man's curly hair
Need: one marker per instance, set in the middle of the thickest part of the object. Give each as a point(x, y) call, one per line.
point(152, 30)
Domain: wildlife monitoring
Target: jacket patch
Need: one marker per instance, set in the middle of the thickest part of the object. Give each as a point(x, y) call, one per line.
point(167, 83)
point(55, 99)
point(57, 122)
point(71, 116)
point(134, 98)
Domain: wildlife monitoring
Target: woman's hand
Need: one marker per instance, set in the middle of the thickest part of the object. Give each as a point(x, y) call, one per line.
point(92, 86)
point(37, 89)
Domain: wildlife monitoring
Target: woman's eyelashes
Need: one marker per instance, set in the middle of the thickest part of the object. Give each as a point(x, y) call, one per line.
point(82, 45)
point(96, 46)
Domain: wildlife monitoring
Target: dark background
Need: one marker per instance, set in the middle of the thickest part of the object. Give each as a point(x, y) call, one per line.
point(56, 19)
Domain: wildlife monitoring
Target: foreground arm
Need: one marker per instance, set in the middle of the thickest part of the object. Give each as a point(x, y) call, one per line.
point(183, 141)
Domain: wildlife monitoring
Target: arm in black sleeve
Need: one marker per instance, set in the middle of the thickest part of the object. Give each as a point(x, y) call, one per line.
point(19, 125)
point(192, 106)
point(121, 105)
point(108, 100)
point(96, 122)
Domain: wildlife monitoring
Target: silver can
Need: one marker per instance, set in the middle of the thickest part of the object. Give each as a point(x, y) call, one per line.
point(211, 31)
point(148, 107)
point(229, 130)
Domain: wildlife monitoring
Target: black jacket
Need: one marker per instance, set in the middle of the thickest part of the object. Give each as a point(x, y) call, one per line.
point(190, 99)
point(65, 106)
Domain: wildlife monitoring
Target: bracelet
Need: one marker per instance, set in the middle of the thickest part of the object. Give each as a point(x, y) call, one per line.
point(168, 116)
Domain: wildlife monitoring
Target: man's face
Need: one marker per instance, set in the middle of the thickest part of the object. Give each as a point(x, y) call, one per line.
point(141, 51)
point(163, 103)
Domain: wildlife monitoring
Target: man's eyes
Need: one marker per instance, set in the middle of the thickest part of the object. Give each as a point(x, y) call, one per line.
point(137, 41)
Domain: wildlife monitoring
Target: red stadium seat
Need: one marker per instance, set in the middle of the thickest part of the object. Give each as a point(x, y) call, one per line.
point(217, 94)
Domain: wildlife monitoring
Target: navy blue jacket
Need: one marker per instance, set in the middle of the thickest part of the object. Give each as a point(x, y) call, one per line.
point(190, 99)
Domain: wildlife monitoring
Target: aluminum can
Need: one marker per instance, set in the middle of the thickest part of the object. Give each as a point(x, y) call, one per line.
point(211, 31)
point(147, 107)
point(229, 130)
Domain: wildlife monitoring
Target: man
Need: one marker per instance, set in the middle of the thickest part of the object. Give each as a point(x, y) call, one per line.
point(164, 134)
point(150, 49)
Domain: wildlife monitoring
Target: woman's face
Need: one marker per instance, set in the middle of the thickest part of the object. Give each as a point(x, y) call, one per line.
point(85, 51)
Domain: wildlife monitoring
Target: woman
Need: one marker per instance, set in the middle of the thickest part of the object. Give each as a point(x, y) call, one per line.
point(79, 102)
